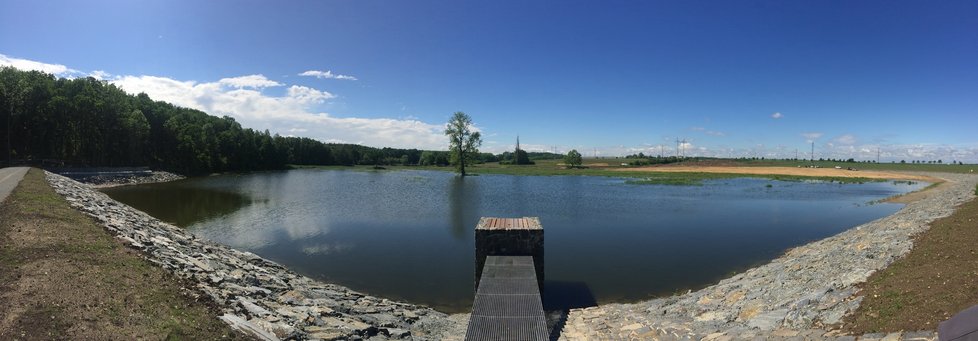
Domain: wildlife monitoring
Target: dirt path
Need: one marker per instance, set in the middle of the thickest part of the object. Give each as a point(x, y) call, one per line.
point(64, 277)
point(9, 178)
point(793, 171)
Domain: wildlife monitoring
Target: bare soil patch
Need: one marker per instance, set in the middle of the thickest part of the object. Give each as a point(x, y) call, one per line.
point(793, 171)
point(937, 279)
point(64, 277)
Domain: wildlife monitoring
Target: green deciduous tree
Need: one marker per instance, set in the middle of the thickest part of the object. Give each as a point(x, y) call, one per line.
point(462, 141)
point(573, 158)
point(87, 122)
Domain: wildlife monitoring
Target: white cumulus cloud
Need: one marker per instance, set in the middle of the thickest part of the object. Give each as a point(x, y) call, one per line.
point(716, 133)
point(31, 65)
point(327, 75)
point(100, 75)
point(776, 115)
point(810, 137)
point(249, 81)
point(294, 111)
point(847, 140)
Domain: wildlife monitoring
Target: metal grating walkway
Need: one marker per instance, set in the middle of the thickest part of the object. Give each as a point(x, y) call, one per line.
point(507, 304)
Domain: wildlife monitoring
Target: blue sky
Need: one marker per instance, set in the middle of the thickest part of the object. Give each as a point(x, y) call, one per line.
point(613, 76)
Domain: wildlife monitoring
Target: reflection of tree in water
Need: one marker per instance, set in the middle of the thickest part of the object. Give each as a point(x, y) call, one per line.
point(463, 205)
point(180, 205)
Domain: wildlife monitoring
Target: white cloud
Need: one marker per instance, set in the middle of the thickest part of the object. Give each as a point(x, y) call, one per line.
point(297, 108)
point(811, 137)
point(888, 153)
point(847, 139)
point(308, 95)
point(708, 132)
point(250, 81)
point(29, 65)
point(776, 115)
point(100, 75)
point(325, 249)
point(715, 133)
point(326, 75)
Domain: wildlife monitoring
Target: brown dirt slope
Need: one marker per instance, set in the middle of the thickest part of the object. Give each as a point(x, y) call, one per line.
point(63, 277)
point(937, 279)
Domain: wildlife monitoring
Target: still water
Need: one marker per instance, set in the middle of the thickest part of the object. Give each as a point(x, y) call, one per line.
point(409, 235)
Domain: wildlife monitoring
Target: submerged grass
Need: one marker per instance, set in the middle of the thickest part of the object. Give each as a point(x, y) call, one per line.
point(553, 168)
point(666, 181)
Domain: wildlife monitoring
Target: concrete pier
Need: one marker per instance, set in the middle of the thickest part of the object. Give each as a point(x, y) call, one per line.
point(509, 237)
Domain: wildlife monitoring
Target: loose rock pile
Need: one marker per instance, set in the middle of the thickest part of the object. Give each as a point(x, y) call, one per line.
point(258, 296)
point(102, 181)
point(797, 296)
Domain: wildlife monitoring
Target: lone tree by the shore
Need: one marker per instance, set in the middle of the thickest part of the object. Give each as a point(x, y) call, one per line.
point(462, 142)
point(573, 158)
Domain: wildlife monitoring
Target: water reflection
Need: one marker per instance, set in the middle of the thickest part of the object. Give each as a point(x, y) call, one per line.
point(463, 202)
point(407, 235)
point(181, 204)
point(564, 295)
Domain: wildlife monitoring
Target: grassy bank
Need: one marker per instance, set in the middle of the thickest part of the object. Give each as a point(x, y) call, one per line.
point(937, 279)
point(599, 167)
point(62, 276)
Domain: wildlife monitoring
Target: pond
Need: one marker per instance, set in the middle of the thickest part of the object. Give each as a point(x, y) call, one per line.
point(409, 235)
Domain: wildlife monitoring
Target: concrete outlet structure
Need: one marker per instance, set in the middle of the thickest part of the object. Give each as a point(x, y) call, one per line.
point(509, 237)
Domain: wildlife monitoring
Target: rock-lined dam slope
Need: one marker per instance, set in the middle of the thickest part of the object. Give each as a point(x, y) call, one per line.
point(259, 296)
point(801, 295)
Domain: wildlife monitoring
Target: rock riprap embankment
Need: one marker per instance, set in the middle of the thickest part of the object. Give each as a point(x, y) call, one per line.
point(259, 296)
point(102, 181)
point(799, 295)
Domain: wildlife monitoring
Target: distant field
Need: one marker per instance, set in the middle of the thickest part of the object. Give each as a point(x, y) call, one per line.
point(946, 168)
point(612, 167)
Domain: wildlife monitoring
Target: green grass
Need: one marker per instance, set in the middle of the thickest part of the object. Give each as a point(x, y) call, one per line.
point(894, 303)
point(615, 169)
point(555, 168)
point(51, 253)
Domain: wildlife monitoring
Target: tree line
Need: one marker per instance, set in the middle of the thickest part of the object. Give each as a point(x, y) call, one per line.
point(90, 123)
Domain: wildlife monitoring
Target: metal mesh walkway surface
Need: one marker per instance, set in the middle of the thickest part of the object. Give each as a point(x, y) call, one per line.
point(507, 303)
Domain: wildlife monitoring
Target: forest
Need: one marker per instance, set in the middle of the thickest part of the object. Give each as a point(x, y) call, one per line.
point(85, 122)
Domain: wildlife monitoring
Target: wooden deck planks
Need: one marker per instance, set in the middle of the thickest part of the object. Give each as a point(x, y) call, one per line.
point(526, 223)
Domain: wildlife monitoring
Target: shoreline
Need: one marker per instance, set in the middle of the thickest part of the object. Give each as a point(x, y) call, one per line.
point(788, 171)
point(100, 178)
point(716, 310)
point(803, 294)
point(258, 296)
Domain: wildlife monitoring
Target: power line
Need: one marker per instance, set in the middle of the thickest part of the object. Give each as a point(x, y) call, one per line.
point(813, 151)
